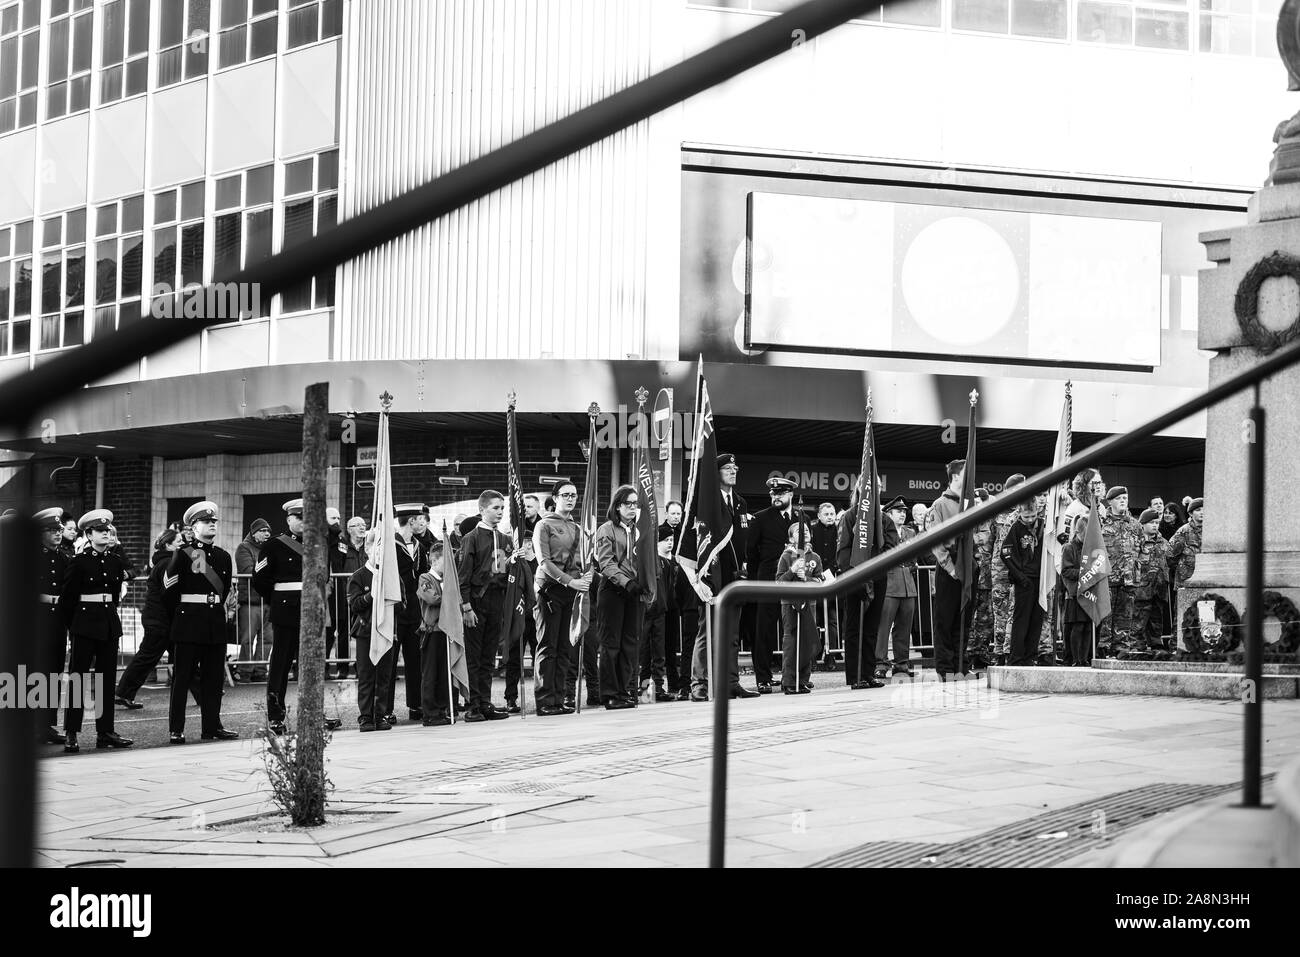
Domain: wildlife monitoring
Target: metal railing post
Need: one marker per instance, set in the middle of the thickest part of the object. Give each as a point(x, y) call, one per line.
point(1253, 694)
point(725, 626)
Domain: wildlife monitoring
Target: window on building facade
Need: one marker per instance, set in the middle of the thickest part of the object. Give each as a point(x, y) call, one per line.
point(1239, 26)
point(177, 241)
point(310, 208)
point(1159, 26)
point(249, 31)
point(312, 20)
point(124, 50)
point(1044, 19)
point(67, 70)
point(20, 49)
point(119, 262)
point(63, 280)
point(243, 227)
point(15, 289)
point(183, 40)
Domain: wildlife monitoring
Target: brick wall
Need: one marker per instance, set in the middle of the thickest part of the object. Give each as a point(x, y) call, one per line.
point(128, 494)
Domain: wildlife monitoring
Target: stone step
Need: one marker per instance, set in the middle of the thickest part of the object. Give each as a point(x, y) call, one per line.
point(1209, 667)
point(1177, 684)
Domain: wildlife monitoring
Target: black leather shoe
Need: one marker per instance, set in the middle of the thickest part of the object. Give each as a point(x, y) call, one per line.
point(789, 691)
point(474, 716)
point(617, 704)
point(331, 724)
point(549, 710)
point(112, 740)
point(54, 736)
point(742, 692)
point(391, 719)
point(437, 722)
point(367, 725)
point(175, 737)
point(684, 694)
point(381, 724)
point(512, 708)
point(806, 689)
point(415, 714)
point(128, 704)
point(70, 745)
point(764, 688)
point(700, 695)
point(221, 734)
point(663, 696)
point(571, 704)
point(568, 707)
point(493, 714)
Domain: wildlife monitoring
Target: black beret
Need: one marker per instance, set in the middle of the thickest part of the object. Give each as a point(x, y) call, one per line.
point(726, 459)
point(1116, 492)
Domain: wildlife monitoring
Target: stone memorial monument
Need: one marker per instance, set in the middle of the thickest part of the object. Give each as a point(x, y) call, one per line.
point(1250, 306)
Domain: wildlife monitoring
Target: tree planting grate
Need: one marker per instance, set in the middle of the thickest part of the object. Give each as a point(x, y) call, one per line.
point(1042, 840)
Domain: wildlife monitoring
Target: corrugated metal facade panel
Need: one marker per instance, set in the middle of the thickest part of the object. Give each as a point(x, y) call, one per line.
point(557, 263)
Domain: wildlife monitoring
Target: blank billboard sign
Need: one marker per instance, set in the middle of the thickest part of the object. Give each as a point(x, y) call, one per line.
point(844, 275)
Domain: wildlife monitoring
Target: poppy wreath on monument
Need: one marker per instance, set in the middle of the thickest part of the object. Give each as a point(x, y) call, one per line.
point(1210, 640)
point(1283, 610)
point(1276, 265)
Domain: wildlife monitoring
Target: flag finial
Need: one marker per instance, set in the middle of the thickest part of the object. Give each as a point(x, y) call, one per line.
point(386, 400)
point(641, 395)
point(510, 397)
point(593, 410)
point(868, 400)
point(1068, 387)
point(974, 397)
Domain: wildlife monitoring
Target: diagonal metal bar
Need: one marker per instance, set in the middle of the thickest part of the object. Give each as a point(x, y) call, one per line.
point(23, 395)
point(727, 606)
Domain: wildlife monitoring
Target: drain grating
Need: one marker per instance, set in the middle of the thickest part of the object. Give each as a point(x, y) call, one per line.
point(1042, 840)
point(521, 787)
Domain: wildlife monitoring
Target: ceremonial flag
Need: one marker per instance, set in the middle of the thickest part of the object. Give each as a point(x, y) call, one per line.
point(1052, 526)
point(589, 521)
point(965, 558)
point(647, 523)
point(451, 620)
point(1094, 571)
point(386, 588)
point(868, 526)
point(713, 526)
point(519, 584)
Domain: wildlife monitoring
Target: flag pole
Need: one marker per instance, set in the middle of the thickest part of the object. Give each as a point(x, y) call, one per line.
point(967, 494)
point(519, 543)
point(451, 693)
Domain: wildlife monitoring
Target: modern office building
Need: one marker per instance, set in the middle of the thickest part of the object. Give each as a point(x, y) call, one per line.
point(999, 195)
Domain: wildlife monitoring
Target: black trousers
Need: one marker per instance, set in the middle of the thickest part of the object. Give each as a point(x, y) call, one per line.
point(947, 622)
point(1026, 624)
point(481, 646)
point(156, 641)
point(859, 637)
point(619, 629)
point(51, 655)
point(554, 654)
point(406, 639)
point(372, 681)
point(435, 694)
point(654, 654)
point(284, 653)
point(1079, 636)
point(515, 658)
point(798, 644)
point(680, 628)
point(700, 676)
point(209, 661)
point(97, 657)
point(767, 637)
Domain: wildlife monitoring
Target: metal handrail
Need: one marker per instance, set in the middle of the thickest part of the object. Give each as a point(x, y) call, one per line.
point(727, 602)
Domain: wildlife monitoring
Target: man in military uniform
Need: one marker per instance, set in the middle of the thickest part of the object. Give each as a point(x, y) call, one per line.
point(195, 587)
point(51, 630)
point(1121, 533)
point(980, 644)
point(1151, 593)
point(277, 577)
point(1000, 596)
point(92, 588)
point(767, 542)
point(1186, 543)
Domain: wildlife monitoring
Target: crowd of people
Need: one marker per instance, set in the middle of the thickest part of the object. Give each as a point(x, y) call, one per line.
point(592, 622)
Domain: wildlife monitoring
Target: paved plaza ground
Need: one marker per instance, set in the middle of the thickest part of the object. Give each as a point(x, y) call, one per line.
point(920, 774)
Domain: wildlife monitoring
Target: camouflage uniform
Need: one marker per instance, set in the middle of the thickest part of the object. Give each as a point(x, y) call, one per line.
point(981, 630)
point(1121, 535)
point(1000, 585)
point(1185, 546)
point(1151, 593)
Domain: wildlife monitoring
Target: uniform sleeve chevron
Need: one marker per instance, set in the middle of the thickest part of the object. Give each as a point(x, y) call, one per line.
point(170, 581)
point(260, 565)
